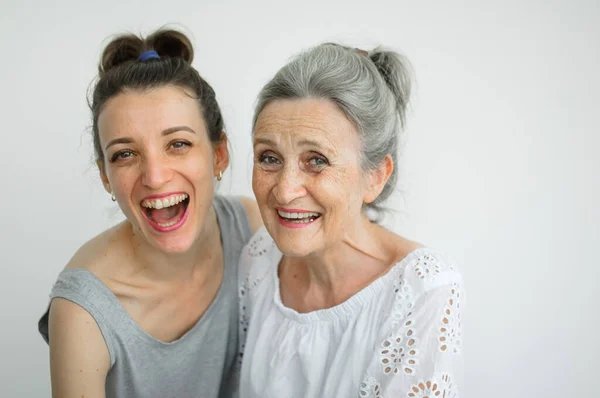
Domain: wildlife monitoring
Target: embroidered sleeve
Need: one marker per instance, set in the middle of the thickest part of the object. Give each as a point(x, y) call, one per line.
point(420, 355)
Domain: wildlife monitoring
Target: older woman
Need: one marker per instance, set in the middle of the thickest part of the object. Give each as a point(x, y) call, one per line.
point(333, 304)
point(149, 307)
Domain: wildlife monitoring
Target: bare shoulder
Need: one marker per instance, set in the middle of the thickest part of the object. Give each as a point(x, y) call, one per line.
point(79, 357)
point(95, 254)
point(406, 246)
point(253, 213)
point(399, 246)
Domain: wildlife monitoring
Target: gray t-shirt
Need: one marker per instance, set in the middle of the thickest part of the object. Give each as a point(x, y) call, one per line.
point(199, 364)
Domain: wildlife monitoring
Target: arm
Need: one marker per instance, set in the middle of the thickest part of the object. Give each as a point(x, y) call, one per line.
point(253, 213)
point(79, 358)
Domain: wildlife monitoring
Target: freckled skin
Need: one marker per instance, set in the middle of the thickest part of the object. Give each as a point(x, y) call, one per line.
point(336, 191)
point(307, 157)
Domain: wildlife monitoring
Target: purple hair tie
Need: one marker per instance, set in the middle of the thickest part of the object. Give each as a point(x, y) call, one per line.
point(148, 55)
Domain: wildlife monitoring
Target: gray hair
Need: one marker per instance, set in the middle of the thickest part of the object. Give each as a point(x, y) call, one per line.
point(372, 89)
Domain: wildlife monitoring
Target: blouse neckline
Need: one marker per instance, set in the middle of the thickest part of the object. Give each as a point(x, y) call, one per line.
point(347, 308)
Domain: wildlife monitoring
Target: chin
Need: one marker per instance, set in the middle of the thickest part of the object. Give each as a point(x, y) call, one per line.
point(292, 242)
point(294, 247)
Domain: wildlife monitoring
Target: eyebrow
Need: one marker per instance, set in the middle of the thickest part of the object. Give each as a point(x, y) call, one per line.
point(128, 140)
point(265, 141)
point(311, 143)
point(304, 142)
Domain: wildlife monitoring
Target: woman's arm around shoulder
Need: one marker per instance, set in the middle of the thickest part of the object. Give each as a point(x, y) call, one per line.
point(253, 213)
point(79, 357)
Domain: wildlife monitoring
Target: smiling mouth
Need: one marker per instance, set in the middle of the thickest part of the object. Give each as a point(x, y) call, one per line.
point(167, 211)
point(299, 217)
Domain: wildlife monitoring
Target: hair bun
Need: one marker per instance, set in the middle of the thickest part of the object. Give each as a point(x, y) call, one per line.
point(122, 49)
point(172, 44)
point(398, 75)
point(125, 48)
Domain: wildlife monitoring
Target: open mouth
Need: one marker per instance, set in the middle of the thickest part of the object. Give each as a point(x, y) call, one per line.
point(298, 217)
point(166, 212)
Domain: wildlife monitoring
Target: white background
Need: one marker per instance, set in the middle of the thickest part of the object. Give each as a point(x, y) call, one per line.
point(499, 170)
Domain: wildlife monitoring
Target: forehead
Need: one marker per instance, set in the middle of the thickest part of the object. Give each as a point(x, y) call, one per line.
point(313, 119)
point(147, 111)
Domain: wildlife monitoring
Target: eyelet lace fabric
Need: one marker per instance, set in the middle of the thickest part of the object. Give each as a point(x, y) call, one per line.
point(400, 336)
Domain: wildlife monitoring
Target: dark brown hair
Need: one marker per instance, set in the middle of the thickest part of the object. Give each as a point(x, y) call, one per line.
point(120, 69)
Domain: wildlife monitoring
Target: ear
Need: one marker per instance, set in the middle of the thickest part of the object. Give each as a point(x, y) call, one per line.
point(103, 176)
point(378, 178)
point(221, 155)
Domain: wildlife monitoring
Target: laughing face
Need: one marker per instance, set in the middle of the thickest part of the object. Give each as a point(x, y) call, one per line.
point(160, 164)
point(307, 175)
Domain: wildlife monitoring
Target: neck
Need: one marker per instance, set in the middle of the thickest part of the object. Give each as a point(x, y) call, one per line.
point(157, 265)
point(353, 259)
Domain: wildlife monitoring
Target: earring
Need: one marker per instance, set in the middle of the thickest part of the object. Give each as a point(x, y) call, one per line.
point(113, 197)
point(220, 175)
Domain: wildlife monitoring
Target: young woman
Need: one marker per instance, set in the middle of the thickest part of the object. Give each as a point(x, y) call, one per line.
point(149, 307)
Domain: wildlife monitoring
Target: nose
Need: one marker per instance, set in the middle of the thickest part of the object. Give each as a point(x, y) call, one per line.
point(156, 172)
point(290, 185)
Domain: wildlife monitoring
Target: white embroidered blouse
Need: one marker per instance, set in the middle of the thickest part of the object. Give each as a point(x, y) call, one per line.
point(398, 337)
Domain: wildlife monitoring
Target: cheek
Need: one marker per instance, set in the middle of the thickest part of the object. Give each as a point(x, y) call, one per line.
point(340, 191)
point(121, 178)
point(340, 184)
point(199, 164)
point(260, 183)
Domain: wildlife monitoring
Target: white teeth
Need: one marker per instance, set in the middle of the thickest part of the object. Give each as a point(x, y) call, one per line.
point(164, 202)
point(299, 216)
point(167, 224)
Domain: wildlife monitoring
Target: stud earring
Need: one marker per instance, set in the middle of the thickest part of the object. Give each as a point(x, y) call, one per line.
point(220, 176)
point(113, 197)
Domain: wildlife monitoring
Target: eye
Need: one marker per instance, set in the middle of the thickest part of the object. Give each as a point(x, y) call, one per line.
point(121, 155)
point(317, 162)
point(178, 145)
point(268, 160)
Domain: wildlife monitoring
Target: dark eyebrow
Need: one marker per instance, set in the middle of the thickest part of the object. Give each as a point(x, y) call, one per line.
point(124, 140)
point(175, 129)
point(128, 140)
